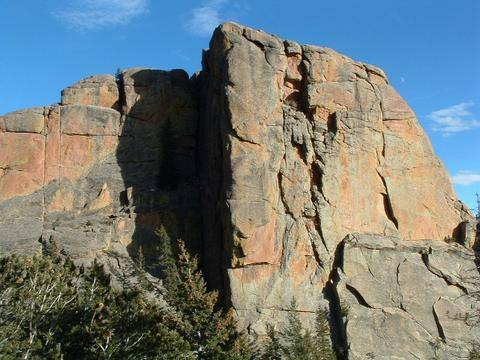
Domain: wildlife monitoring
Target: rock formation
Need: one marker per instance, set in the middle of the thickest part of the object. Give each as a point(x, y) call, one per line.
point(412, 299)
point(98, 173)
point(311, 146)
point(266, 162)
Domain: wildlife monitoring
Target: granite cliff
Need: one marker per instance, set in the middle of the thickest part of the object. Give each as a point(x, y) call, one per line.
point(292, 170)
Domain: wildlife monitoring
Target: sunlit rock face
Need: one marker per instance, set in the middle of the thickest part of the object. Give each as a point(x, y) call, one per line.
point(407, 299)
point(310, 147)
point(265, 162)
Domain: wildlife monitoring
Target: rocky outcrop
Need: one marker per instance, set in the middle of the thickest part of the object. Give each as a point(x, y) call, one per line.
point(407, 300)
point(98, 173)
point(264, 162)
point(310, 146)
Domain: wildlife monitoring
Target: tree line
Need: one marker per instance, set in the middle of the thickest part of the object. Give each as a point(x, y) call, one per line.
point(52, 309)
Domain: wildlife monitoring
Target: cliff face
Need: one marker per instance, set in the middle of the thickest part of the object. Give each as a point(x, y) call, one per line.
point(311, 146)
point(265, 163)
point(98, 173)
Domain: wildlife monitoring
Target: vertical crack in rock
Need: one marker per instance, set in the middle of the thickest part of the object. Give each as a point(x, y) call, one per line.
point(217, 241)
point(441, 332)
point(384, 143)
point(448, 280)
point(122, 97)
point(387, 204)
point(318, 221)
point(315, 250)
point(282, 193)
point(45, 138)
point(337, 323)
point(314, 166)
point(285, 238)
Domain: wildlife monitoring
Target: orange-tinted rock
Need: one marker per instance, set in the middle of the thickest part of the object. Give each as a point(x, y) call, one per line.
point(87, 177)
point(99, 90)
point(63, 200)
point(311, 146)
point(53, 144)
point(298, 147)
point(21, 163)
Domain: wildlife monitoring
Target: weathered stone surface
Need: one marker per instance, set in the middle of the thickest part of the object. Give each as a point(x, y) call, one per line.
point(272, 155)
point(469, 233)
point(21, 163)
point(310, 146)
point(407, 300)
point(24, 121)
point(99, 90)
point(100, 172)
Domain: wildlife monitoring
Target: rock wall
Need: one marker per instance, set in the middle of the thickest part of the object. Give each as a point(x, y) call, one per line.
point(311, 146)
point(265, 162)
point(407, 300)
point(98, 173)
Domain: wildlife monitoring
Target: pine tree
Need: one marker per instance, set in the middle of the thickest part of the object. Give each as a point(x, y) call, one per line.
point(272, 348)
point(296, 343)
point(299, 344)
point(322, 336)
point(51, 310)
point(211, 332)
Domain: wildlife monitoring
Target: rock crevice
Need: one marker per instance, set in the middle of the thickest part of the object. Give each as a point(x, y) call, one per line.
point(388, 296)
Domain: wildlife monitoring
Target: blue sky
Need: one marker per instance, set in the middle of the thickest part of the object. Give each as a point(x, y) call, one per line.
point(430, 50)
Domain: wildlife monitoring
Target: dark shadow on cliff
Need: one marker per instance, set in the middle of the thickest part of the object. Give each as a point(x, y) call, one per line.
point(156, 155)
point(476, 246)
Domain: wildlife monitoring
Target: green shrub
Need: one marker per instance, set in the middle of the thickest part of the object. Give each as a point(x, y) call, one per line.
point(51, 309)
point(475, 354)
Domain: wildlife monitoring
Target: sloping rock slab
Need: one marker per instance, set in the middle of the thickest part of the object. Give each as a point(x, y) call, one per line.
point(407, 300)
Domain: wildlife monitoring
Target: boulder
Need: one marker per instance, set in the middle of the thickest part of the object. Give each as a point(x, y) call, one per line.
point(98, 90)
point(407, 299)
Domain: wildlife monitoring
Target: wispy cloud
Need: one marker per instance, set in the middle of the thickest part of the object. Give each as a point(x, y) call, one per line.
point(454, 119)
point(94, 14)
point(466, 177)
point(204, 19)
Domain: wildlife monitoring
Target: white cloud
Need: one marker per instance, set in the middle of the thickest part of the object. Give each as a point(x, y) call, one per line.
point(454, 119)
point(94, 14)
point(465, 177)
point(205, 18)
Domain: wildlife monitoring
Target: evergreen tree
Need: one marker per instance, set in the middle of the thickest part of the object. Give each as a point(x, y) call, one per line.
point(322, 336)
point(299, 343)
point(296, 343)
point(211, 333)
point(272, 348)
point(51, 310)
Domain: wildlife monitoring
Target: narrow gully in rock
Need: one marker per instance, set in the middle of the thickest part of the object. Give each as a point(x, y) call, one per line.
point(337, 324)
